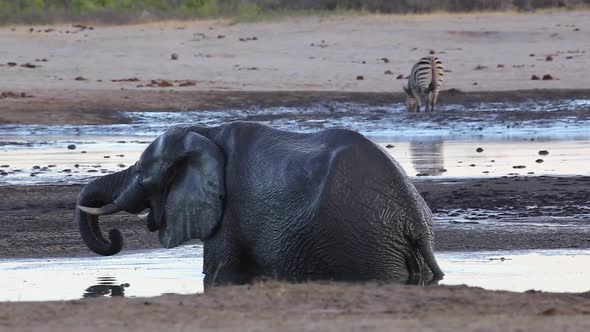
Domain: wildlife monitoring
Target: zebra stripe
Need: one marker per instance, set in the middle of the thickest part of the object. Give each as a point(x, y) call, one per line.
point(424, 84)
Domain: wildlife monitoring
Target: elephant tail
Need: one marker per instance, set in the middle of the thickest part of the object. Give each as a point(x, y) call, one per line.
point(427, 252)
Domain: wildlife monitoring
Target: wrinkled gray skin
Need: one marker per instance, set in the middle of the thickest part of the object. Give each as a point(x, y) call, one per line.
point(265, 202)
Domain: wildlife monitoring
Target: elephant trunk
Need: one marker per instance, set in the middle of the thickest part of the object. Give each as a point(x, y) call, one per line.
point(106, 195)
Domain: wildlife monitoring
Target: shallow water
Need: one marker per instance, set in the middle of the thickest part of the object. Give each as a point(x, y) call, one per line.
point(54, 163)
point(424, 146)
point(153, 272)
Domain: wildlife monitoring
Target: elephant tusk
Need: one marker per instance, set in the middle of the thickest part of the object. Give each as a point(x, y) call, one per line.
point(103, 210)
point(143, 216)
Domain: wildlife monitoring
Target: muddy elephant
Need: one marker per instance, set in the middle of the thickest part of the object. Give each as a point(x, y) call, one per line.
point(271, 203)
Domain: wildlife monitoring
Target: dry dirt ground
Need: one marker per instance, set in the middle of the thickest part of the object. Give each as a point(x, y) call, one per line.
point(69, 79)
point(90, 73)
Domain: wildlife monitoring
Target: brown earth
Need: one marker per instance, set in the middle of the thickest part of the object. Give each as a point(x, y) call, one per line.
point(109, 106)
point(38, 221)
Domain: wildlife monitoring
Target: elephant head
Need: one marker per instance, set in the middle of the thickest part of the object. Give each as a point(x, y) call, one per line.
point(179, 178)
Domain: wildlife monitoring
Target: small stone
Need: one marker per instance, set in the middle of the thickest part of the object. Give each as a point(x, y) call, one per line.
point(532, 54)
point(400, 77)
point(518, 166)
point(432, 52)
point(360, 77)
point(390, 146)
point(36, 167)
point(535, 78)
point(165, 84)
point(479, 150)
point(500, 66)
point(80, 78)
point(72, 147)
point(386, 60)
point(83, 152)
point(538, 161)
point(474, 83)
point(220, 36)
point(547, 77)
point(480, 67)
point(543, 152)
point(388, 72)
point(174, 56)
point(549, 58)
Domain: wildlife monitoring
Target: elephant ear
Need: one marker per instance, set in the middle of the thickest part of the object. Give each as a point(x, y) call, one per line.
point(194, 200)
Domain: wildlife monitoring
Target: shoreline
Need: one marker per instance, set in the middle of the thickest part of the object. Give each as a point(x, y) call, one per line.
point(79, 107)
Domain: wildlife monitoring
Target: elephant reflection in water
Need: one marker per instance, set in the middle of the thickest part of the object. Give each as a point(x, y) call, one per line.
point(427, 157)
point(105, 287)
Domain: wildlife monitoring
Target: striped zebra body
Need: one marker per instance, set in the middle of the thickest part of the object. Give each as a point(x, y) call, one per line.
point(424, 84)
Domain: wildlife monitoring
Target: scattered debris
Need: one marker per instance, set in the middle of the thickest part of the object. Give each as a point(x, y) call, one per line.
point(133, 79)
point(187, 83)
point(29, 65)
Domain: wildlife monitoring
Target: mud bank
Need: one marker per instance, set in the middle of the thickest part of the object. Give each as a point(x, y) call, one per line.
point(109, 106)
point(470, 214)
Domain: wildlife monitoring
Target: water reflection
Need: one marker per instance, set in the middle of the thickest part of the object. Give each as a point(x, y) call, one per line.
point(427, 157)
point(107, 286)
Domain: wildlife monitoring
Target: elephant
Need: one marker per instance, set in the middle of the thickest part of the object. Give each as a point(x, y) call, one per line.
point(269, 203)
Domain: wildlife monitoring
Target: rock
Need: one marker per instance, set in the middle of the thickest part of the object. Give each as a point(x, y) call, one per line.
point(220, 36)
point(360, 77)
point(480, 67)
point(535, 78)
point(11, 64)
point(388, 72)
point(519, 166)
point(479, 150)
point(400, 77)
point(80, 78)
point(165, 84)
point(386, 60)
point(543, 152)
point(390, 146)
point(36, 167)
point(547, 77)
point(29, 65)
point(475, 83)
point(532, 54)
point(432, 52)
point(72, 147)
point(577, 29)
point(549, 58)
point(187, 83)
point(538, 161)
point(500, 66)
point(174, 56)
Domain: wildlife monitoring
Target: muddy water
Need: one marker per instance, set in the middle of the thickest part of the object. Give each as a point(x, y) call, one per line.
point(154, 272)
point(435, 144)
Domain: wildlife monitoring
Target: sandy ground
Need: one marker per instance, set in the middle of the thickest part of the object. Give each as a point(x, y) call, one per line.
point(299, 60)
point(76, 68)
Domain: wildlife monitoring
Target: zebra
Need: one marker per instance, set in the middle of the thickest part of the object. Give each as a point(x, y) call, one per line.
point(424, 83)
